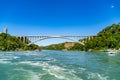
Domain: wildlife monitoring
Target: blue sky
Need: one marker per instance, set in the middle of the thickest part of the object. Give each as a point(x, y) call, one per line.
point(57, 17)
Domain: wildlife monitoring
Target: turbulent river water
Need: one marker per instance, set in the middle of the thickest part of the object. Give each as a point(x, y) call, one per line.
point(59, 65)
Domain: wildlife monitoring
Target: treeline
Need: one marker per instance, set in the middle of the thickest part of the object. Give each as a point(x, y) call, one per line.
point(11, 43)
point(108, 38)
point(55, 47)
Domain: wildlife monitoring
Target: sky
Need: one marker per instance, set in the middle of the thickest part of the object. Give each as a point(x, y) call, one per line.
point(57, 17)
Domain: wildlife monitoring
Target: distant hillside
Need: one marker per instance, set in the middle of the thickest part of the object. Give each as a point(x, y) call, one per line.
point(108, 38)
point(11, 43)
point(64, 46)
point(59, 46)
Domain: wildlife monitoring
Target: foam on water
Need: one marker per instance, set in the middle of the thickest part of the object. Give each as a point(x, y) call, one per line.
point(15, 57)
point(96, 76)
point(30, 74)
point(56, 71)
point(4, 61)
point(33, 75)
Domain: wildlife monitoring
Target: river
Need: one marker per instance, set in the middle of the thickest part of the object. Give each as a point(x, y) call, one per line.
point(58, 65)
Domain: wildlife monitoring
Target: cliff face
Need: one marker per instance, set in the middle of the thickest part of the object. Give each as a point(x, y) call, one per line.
point(69, 45)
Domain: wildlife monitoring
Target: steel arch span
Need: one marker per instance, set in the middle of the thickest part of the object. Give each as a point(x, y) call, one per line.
point(34, 39)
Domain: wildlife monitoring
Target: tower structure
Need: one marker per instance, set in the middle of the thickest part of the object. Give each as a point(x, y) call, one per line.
point(5, 30)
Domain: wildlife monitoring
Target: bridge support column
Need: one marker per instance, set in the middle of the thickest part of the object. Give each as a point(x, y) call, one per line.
point(90, 37)
point(24, 39)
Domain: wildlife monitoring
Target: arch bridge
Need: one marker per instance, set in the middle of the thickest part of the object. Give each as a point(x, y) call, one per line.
point(33, 39)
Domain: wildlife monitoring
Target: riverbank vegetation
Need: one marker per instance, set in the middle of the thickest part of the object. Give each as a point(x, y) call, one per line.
point(108, 38)
point(11, 43)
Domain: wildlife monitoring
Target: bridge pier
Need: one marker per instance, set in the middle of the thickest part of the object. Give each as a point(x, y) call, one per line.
point(22, 38)
point(90, 37)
